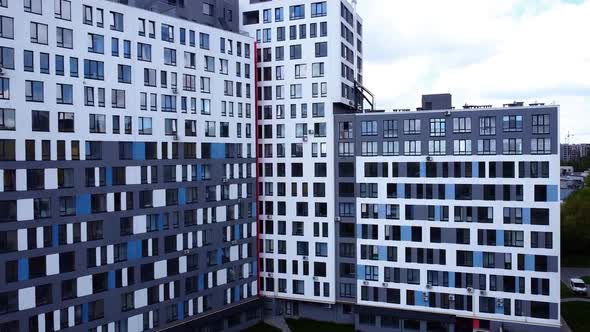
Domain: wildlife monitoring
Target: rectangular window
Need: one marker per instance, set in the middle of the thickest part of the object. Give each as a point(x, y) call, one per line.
point(512, 123)
point(38, 33)
point(64, 38)
point(33, 91)
point(487, 125)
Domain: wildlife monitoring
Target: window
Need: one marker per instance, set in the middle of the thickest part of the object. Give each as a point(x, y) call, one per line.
point(462, 147)
point(204, 41)
point(6, 58)
point(95, 43)
point(295, 52)
point(144, 52)
point(34, 91)
point(461, 125)
point(541, 124)
point(319, 9)
point(437, 127)
point(390, 148)
point(390, 128)
point(437, 147)
point(167, 33)
point(512, 123)
point(64, 94)
point(321, 49)
point(296, 91)
point(487, 125)
point(169, 56)
point(512, 146)
point(540, 146)
point(38, 33)
point(97, 123)
point(368, 128)
point(118, 98)
point(7, 120)
point(208, 9)
point(6, 27)
point(65, 38)
point(486, 146)
point(117, 21)
point(297, 12)
point(34, 6)
point(94, 70)
point(65, 121)
point(4, 88)
point(412, 148)
point(412, 126)
point(369, 148)
point(63, 9)
point(40, 121)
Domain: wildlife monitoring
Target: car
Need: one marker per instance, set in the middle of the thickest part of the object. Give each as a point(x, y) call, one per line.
point(578, 286)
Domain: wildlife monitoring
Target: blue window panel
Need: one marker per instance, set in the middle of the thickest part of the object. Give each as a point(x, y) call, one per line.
point(475, 169)
point(138, 150)
point(199, 172)
point(449, 191)
point(552, 193)
point(401, 190)
point(181, 196)
point(237, 294)
point(109, 176)
point(201, 282)
point(359, 231)
point(529, 262)
point(437, 213)
point(419, 299)
point(516, 284)
point(382, 251)
point(255, 267)
point(23, 269)
point(55, 235)
point(181, 311)
point(218, 258)
point(85, 312)
point(477, 259)
point(499, 237)
point(406, 233)
point(422, 169)
point(237, 231)
point(526, 216)
point(254, 209)
point(160, 222)
point(360, 272)
point(111, 280)
point(451, 279)
point(83, 204)
point(134, 250)
point(217, 150)
point(381, 211)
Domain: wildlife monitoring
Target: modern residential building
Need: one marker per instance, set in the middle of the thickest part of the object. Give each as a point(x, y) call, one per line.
point(243, 178)
point(448, 219)
point(222, 14)
point(573, 152)
point(309, 63)
point(127, 170)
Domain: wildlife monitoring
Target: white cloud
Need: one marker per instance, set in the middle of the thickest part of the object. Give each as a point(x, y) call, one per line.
point(491, 52)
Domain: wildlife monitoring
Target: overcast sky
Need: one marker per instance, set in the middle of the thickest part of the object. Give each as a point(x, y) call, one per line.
point(482, 52)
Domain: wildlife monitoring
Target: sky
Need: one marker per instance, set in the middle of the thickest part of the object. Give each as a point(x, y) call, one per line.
point(482, 52)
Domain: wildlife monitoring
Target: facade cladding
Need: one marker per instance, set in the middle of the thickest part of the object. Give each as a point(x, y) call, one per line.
point(452, 214)
point(127, 170)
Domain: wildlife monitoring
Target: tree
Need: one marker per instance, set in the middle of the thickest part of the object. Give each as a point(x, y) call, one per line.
point(575, 223)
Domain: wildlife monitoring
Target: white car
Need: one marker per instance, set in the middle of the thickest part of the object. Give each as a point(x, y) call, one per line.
point(578, 286)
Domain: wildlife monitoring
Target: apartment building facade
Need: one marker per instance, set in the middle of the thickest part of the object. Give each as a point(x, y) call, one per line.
point(127, 170)
point(449, 219)
point(309, 58)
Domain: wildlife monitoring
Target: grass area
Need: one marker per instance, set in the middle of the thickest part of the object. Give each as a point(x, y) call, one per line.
point(262, 327)
point(586, 280)
point(575, 260)
point(566, 291)
point(576, 315)
point(308, 325)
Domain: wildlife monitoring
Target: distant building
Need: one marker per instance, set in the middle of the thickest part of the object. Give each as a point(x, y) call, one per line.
point(571, 152)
